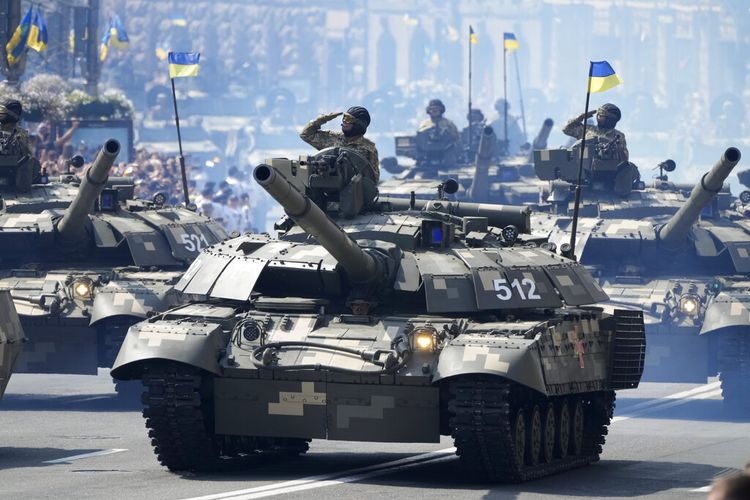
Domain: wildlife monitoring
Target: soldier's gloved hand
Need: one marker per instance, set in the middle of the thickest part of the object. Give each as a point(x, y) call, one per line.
point(329, 116)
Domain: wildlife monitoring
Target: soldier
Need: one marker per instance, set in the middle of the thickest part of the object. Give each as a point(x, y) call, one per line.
point(15, 141)
point(611, 144)
point(438, 123)
point(10, 115)
point(607, 117)
point(471, 134)
point(354, 124)
point(515, 134)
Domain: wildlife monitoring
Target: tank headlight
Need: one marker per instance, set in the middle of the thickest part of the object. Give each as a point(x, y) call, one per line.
point(424, 339)
point(82, 288)
point(689, 305)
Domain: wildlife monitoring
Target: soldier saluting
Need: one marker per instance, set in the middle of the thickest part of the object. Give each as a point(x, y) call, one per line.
point(354, 123)
point(607, 117)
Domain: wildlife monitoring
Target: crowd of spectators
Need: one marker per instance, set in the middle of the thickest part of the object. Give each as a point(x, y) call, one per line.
point(228, 201)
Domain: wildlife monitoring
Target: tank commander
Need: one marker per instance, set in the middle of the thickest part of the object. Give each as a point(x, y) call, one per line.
point(611, 144)
point(438, 123)
point(354, 123)
point(15, 141)
point(607, 117)
point(515, 135)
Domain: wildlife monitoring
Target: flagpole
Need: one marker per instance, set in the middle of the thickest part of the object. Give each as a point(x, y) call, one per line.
point(506, 143)
point(468, 116)
point(179, 142)
point(520, 97)
point(580, 169)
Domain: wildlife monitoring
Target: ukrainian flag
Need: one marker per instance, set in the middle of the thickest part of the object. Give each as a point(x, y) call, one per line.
point(114, 35)
point(509, 42)
point(179, 20)
point(182, 64)
point(472, 36)
point(16, 46)
point(38, 33)
point(602, 77)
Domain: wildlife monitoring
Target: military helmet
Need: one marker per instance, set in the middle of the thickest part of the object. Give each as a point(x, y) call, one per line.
point(436, 103)
point(10, 111)
point(611, 111)
point(501, 105)
point(361, 118)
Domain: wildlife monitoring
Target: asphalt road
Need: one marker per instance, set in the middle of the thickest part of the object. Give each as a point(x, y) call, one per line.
point(69, 437)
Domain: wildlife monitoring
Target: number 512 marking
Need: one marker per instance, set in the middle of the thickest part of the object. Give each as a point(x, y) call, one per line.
point(505, 291)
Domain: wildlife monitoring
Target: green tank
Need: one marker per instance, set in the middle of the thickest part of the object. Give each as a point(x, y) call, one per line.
point(486, 177)
point(680, 254)
point(84, 260)
point(402, 323)
point(11, 339)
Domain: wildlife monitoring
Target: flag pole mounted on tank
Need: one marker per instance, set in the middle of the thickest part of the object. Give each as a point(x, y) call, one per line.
point(510, 44)
point(182, 64)
point(472, 40)
point(601, 77)
point(520, 97)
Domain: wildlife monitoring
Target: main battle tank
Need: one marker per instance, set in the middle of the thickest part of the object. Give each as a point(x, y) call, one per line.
point(84, 261)
point(682, 259)
point(11, 339)
point(393, 324)
point(488, 177)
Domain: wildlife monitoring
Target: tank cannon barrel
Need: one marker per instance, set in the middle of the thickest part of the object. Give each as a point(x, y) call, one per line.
point(480, 184)
point(73, 222)
point(361, 267)
point(540, 141)
point(673, 233)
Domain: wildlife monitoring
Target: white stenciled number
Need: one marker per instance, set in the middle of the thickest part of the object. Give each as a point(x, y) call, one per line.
point(501, 285)
point(194, 242)
point(505, 291)
point(532, 295)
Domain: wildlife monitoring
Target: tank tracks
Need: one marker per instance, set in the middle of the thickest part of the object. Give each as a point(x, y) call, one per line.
point(178, 408)
point(505, 432)
point(734, 372)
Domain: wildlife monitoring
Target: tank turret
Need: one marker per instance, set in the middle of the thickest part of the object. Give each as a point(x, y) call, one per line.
point(673, 233)
point(359, 265)
point(72, 227)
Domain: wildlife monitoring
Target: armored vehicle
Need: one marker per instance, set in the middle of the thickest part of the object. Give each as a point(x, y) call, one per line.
point(683, 259)
point(375, 321)
point(487, 177)
point(11, 339)
point(84, 260)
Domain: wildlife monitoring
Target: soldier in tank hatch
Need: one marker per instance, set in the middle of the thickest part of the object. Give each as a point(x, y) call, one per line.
point(15, 142)
point(354, 123)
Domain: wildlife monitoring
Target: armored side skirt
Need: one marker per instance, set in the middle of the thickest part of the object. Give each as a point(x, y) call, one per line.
point(326, 410)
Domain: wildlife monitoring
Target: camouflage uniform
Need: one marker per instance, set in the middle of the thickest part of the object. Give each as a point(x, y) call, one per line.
point(321, 139)
point(20, 137)
point(574, 128)
point(443, 126)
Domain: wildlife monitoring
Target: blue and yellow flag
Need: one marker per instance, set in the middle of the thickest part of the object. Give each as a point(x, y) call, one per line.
point(114, 35)
point(509, 42)
point(472, 36)
point(182, 64)
point(603, 77)
point(38, 32)
point(16, 46)
point(179, 20)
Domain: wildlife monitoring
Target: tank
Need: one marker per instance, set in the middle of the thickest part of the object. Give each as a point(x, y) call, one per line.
point(399, 324)
point(504, 179)
point(84, 260)
point(682, 256)
point(11, 339)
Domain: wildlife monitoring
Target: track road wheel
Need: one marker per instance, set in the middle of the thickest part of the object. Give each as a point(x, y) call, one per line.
point(548, 434)
point(534, 436)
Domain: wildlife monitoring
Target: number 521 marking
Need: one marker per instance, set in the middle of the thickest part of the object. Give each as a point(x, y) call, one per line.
point(505, 290)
